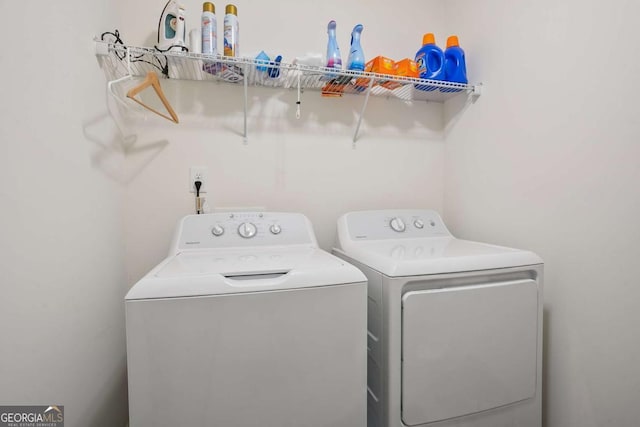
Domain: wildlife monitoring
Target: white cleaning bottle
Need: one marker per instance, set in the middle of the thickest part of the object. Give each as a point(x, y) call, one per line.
point(231, 31)
point(209, 29)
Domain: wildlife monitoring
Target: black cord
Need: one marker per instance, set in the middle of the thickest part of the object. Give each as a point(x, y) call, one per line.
point(163, 68)
point(198, 184)
point(182, 48)
point(160, 20)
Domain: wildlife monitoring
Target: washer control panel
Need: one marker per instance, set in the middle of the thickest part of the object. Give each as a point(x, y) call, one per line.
point(392, 224)
point(243, 229)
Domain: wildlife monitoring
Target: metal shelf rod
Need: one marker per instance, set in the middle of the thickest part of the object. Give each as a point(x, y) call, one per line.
point(364, 107)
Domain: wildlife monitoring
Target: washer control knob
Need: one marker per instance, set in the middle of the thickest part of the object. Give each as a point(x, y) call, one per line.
point(418, 223)
point(275, 229)
point(397, 224)
point(247, 230)
point(217, 230)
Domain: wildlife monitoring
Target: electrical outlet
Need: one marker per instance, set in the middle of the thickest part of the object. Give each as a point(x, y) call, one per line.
point(197, 173)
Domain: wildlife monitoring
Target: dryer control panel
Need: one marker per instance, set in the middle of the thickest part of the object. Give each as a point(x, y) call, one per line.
point(242, 230)
point(392, 224)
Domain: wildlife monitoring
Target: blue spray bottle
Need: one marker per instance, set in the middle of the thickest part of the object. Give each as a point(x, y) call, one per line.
point(356, 55)
point(334, 60)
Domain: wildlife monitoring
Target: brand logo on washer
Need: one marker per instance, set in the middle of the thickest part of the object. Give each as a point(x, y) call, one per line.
point(32, 416)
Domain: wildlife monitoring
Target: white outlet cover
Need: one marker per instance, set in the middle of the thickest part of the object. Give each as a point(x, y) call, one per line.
point(195, 173)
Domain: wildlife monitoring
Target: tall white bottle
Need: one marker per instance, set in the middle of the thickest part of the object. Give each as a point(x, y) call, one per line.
point(209, 29)
point(231, 31)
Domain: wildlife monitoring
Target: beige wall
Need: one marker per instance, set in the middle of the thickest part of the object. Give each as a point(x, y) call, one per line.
point(548, 160)
point(62, 272)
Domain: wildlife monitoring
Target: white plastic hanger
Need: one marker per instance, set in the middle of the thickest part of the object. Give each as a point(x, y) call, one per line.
point(127, 138)
point(129, 76)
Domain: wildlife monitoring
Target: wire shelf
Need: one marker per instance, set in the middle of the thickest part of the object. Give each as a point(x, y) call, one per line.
point(330, 82)
point(119, 61)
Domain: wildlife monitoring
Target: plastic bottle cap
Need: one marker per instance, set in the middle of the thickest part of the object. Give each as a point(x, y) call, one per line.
point(231, 9)
point(452, 41)
point(208, 7)
point(428, 38)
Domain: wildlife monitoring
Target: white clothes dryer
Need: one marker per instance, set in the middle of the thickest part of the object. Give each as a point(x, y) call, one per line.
point(454, 327)
point(247, 323)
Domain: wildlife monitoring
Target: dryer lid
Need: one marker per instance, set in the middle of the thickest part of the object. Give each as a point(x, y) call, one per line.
point(435, 256)
point(413, 243)
point(218, 272)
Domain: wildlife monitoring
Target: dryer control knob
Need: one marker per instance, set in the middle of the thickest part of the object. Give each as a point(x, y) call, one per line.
point(247, 230)
point(275, 229)
point(418, 223)
point(397, 224)
point(217, 230)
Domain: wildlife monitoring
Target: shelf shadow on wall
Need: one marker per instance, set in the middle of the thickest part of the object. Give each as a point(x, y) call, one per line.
point(111, 150)
point(220, 105)
point(454, 110)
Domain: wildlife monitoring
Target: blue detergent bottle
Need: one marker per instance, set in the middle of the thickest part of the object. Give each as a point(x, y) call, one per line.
point(430, 59)
point(455, 67)
point(356, 55)
point(334, 60)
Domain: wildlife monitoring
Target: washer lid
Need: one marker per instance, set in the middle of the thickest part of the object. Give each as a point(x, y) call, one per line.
point(217, 272)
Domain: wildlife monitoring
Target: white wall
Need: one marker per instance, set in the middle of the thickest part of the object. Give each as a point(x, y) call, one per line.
point(61, 253)
point(547, 160)
point(288, 165)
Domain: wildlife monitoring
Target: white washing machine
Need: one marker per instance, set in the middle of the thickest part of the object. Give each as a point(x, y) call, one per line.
point(454, 327)
point(247, 323)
